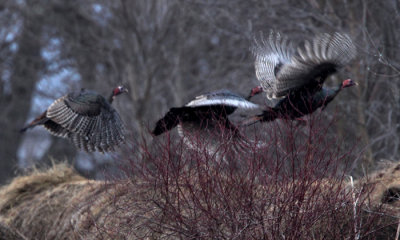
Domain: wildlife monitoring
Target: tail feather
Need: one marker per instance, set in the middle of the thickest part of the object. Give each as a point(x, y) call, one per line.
point(37, 121)
point(168, 122)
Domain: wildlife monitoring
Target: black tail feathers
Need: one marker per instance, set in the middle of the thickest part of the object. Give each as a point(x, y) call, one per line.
point(169, 121)
point(31, 125)
point(42, 119)
point(22, 130)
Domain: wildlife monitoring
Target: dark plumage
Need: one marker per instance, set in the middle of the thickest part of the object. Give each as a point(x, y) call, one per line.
point(297, 77)
point(203, 123)
point(205, 111)
point(86, 118)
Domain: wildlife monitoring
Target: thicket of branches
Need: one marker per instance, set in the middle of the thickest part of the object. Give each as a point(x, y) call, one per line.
point(293, 187)
point(166, 52)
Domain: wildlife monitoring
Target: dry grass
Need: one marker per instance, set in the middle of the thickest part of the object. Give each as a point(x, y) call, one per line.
point(9, 233)
point(384, 187)
point(59, 204)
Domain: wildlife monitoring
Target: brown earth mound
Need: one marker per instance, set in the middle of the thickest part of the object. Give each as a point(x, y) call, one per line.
point(385, 187)
point(60, 204)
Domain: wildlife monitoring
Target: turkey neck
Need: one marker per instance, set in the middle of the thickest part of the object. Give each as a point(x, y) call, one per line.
point(111, 98)
point(331, 93)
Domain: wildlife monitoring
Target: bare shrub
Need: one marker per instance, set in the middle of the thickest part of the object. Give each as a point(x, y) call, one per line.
point(294, 186)
point(179, 193)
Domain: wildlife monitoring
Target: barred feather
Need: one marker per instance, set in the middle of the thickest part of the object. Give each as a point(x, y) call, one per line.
point(87, 131)
point(86, 118)
point(271, 54)
point(323, 56)
point(280, 71)
point(56, 129)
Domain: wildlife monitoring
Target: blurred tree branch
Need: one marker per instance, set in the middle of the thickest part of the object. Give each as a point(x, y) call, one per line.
point(169, 51)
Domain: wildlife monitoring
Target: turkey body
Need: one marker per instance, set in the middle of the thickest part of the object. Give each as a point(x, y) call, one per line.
point(205, 111)
point(299, 104)
point(297, 77)
point(86, 118)
point(203, 123)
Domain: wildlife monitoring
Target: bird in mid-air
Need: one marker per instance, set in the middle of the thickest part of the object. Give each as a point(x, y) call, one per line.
point(296, 77)
point(86, 118)
point(206, 117)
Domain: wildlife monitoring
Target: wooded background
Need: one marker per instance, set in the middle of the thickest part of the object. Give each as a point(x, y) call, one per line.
point(167, 51)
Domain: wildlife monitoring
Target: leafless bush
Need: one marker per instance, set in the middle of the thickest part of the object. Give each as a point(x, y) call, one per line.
point(292, 187)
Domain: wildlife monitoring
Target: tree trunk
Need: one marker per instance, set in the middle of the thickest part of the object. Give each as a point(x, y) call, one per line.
point(25, 73)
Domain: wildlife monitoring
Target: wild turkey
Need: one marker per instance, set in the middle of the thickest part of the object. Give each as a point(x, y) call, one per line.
point(298, 76)
point(204, 110)
point(206, 119)
point(86, 118)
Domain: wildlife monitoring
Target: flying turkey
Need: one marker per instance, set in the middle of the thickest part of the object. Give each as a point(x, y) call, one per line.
point(206, 117)
point(86, 118)
point(297, 77)
point(204, 109)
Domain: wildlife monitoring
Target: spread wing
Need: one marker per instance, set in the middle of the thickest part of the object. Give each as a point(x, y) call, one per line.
point(211, 106)
point(271, 55)
point(77, 112)
point(110, 133)
point(224, 98)
point(93, 124)
point(56, 129)
point(309, 67)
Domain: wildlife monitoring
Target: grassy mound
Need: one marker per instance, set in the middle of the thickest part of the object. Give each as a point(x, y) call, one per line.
point(385, 187)
point(60, 204)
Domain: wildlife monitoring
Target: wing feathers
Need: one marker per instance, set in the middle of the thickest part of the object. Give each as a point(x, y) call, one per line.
point(280, 71)
point(56, 129)
point(241, 103)
point(271, 55)
point(222, 97)
point(87, 132)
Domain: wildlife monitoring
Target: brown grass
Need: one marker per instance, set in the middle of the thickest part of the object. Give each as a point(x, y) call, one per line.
point(59, 204)
point(8, 233)
point(385, 187)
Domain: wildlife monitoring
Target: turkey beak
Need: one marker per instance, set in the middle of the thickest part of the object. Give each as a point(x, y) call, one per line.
point(126, 90)
point(354, 83)
point(351, 83)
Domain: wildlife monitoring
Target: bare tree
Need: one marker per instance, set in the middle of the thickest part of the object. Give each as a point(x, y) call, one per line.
point(25, 67)
point(166, 52)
